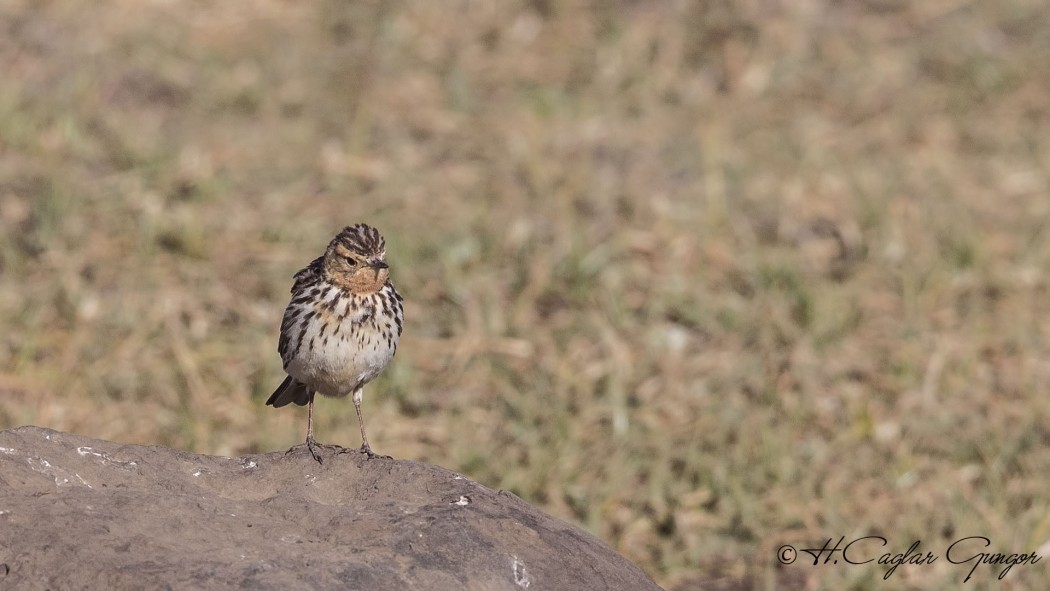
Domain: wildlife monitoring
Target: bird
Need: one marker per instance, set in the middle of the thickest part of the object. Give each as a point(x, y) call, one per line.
point(341, 327)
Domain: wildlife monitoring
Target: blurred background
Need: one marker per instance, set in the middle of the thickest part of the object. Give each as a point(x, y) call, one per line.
point(704, 278)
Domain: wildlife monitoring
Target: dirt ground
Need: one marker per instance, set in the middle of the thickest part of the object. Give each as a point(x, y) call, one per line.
point(82, 513)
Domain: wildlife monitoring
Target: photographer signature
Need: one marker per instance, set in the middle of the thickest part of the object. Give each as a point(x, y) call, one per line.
point(972, 551)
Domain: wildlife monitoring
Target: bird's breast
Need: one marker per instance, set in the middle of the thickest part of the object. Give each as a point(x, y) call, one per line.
point(342, 345)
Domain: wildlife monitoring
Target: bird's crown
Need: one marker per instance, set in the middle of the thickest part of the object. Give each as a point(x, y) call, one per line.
point(356, 259)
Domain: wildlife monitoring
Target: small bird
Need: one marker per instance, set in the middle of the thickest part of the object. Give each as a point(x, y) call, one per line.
point(341, 327)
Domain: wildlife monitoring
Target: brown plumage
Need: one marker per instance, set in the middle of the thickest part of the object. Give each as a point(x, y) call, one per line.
point(341, 327)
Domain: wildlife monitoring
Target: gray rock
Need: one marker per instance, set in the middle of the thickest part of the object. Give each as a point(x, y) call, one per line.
point(79, 513)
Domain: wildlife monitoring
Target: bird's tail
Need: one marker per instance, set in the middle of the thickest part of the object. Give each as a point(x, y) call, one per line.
point(290, 390)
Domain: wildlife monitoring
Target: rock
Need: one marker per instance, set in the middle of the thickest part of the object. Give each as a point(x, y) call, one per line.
point(83, 513)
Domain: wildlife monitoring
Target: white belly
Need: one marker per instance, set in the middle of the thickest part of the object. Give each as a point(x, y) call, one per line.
point(341, 361)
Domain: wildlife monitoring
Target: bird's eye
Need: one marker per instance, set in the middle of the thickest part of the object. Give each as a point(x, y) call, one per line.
point(350, 261)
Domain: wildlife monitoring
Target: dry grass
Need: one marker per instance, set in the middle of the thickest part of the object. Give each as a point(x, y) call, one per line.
point(706, 278)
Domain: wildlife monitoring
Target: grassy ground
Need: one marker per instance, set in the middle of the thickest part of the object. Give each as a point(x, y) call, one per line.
point(706, 278)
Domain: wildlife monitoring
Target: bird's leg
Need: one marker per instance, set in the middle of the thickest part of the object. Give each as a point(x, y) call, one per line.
point(310, 443)
point(361, 422)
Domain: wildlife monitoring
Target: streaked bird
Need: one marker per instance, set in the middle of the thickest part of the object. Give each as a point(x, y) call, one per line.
point(341, 327)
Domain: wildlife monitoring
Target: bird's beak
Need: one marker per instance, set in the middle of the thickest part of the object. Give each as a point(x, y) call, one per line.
point(378, 264)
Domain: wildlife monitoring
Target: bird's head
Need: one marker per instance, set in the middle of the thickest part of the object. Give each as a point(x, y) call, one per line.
point(356, 259)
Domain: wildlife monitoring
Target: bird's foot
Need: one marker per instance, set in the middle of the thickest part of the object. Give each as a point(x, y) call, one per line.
point(315, 449)
point(312, 445)
point(367, 450)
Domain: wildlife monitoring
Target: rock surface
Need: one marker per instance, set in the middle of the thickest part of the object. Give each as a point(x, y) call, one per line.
point(79, 513)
